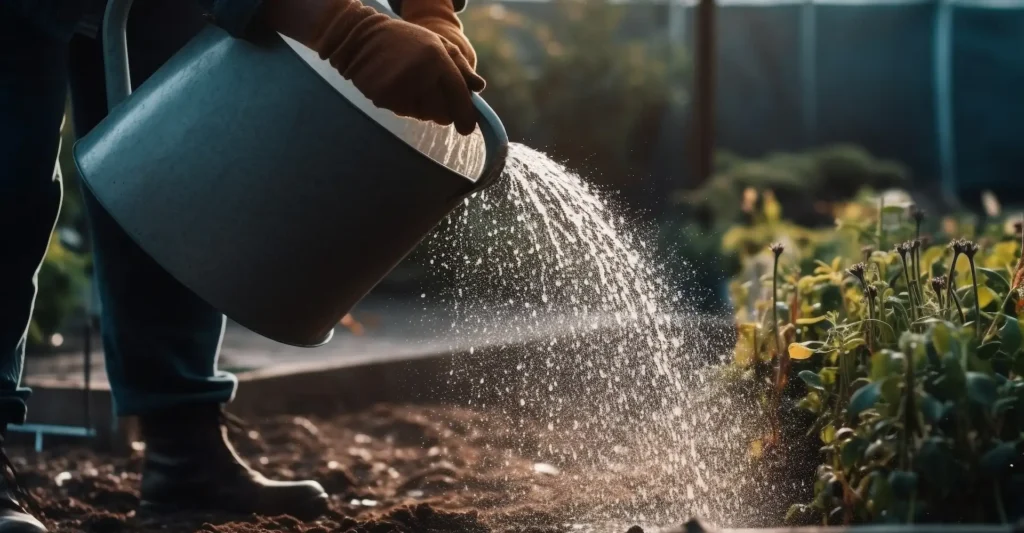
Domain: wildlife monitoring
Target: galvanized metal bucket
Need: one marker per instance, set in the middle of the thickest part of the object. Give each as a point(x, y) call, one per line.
point(266, 183)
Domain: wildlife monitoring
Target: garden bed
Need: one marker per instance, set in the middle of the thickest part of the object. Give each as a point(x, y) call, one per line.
point(387, 468)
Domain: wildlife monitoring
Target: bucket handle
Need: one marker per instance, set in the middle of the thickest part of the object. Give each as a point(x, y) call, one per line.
point(119, 88)
point(115, 52)
point(495, 143)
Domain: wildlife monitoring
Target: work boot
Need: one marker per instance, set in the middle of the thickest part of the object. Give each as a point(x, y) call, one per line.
point(14, 500)
point(190, 465)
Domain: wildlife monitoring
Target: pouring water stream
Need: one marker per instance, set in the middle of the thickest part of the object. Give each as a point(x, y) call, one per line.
point(624, 383)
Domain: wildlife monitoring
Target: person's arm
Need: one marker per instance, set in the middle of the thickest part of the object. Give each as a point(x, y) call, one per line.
point(440, 17)
point(397, 65)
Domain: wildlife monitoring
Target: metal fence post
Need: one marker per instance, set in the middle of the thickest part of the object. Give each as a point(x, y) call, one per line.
point(943, 80)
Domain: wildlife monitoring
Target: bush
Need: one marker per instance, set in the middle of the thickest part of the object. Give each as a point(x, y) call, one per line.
point(909, 369)
point(806, 184)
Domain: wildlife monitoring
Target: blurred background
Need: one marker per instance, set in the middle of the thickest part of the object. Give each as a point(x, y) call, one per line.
point(705, 118)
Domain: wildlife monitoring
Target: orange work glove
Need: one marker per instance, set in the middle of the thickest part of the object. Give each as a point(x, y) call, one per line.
point(439, 17)
point(397, 65)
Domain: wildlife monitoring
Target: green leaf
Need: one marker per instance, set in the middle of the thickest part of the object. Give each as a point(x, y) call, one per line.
point(796, 513)
point(828, 434)
point(1018, 363)
point(933, 460)
point(831, 298)
point(981, 388)
point(894, 276)
point(941, 338)
point(811, 321)
point(1002, 405)
point(878, 451)
point(989, 349)
point(851, 344)
point(811, 402)
point(880, 364)
point(864, 399)
point(996, 462)
point(891, 390)
point(933, 409)
point(811, 379)
point(880, 494)
point(954, 373)
point(853, 450)
point(858, 383)
point(904, 484)
point(828, 376)
point(987, 296)
point(1010, 335)
point(995, 280)
point(977, 364)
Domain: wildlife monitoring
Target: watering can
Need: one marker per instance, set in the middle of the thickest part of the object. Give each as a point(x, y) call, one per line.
point(267, 184)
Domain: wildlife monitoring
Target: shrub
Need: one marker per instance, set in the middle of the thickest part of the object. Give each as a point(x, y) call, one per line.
point(806, 184)
point(907, 357)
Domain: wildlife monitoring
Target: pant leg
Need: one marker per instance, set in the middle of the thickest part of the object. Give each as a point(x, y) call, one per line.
point(161, 341)
point(33, 82)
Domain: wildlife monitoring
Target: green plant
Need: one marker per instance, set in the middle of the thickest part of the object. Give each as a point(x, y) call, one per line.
point(916, 397)
point(806, 184)
point(62, 280)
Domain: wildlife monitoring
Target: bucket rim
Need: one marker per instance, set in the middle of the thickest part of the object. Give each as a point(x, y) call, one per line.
point(491, 128)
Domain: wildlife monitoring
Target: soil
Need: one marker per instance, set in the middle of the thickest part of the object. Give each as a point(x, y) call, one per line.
point(391, 468)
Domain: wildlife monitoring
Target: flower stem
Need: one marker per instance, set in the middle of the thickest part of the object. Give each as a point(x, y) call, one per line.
point(910, 291)
point(951, 285)
point(881, 231)
point(775, 306)
point(956, 300)
point(977, 305)
point(870, 330)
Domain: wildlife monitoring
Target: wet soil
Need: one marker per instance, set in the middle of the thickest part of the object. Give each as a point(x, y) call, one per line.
point(391, 468)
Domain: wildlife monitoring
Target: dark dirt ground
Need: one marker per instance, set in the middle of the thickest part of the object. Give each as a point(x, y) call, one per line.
point(391, 468)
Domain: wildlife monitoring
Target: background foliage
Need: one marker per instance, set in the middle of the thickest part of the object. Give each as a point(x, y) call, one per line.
point(886, 396)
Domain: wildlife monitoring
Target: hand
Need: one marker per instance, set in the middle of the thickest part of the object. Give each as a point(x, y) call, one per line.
point(439, 17)
point(397, 65)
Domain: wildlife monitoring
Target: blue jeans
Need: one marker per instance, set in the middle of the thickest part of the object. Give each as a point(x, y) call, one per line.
point(161, 341)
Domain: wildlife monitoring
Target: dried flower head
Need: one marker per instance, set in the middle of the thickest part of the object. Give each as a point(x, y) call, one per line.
point(777, 249)
point(917, 215)
point(970, 248)
point(939, 284)
point(871, 291)
point(858, 271)
point(957, 245)
point(903, 248)
point(915, 244)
